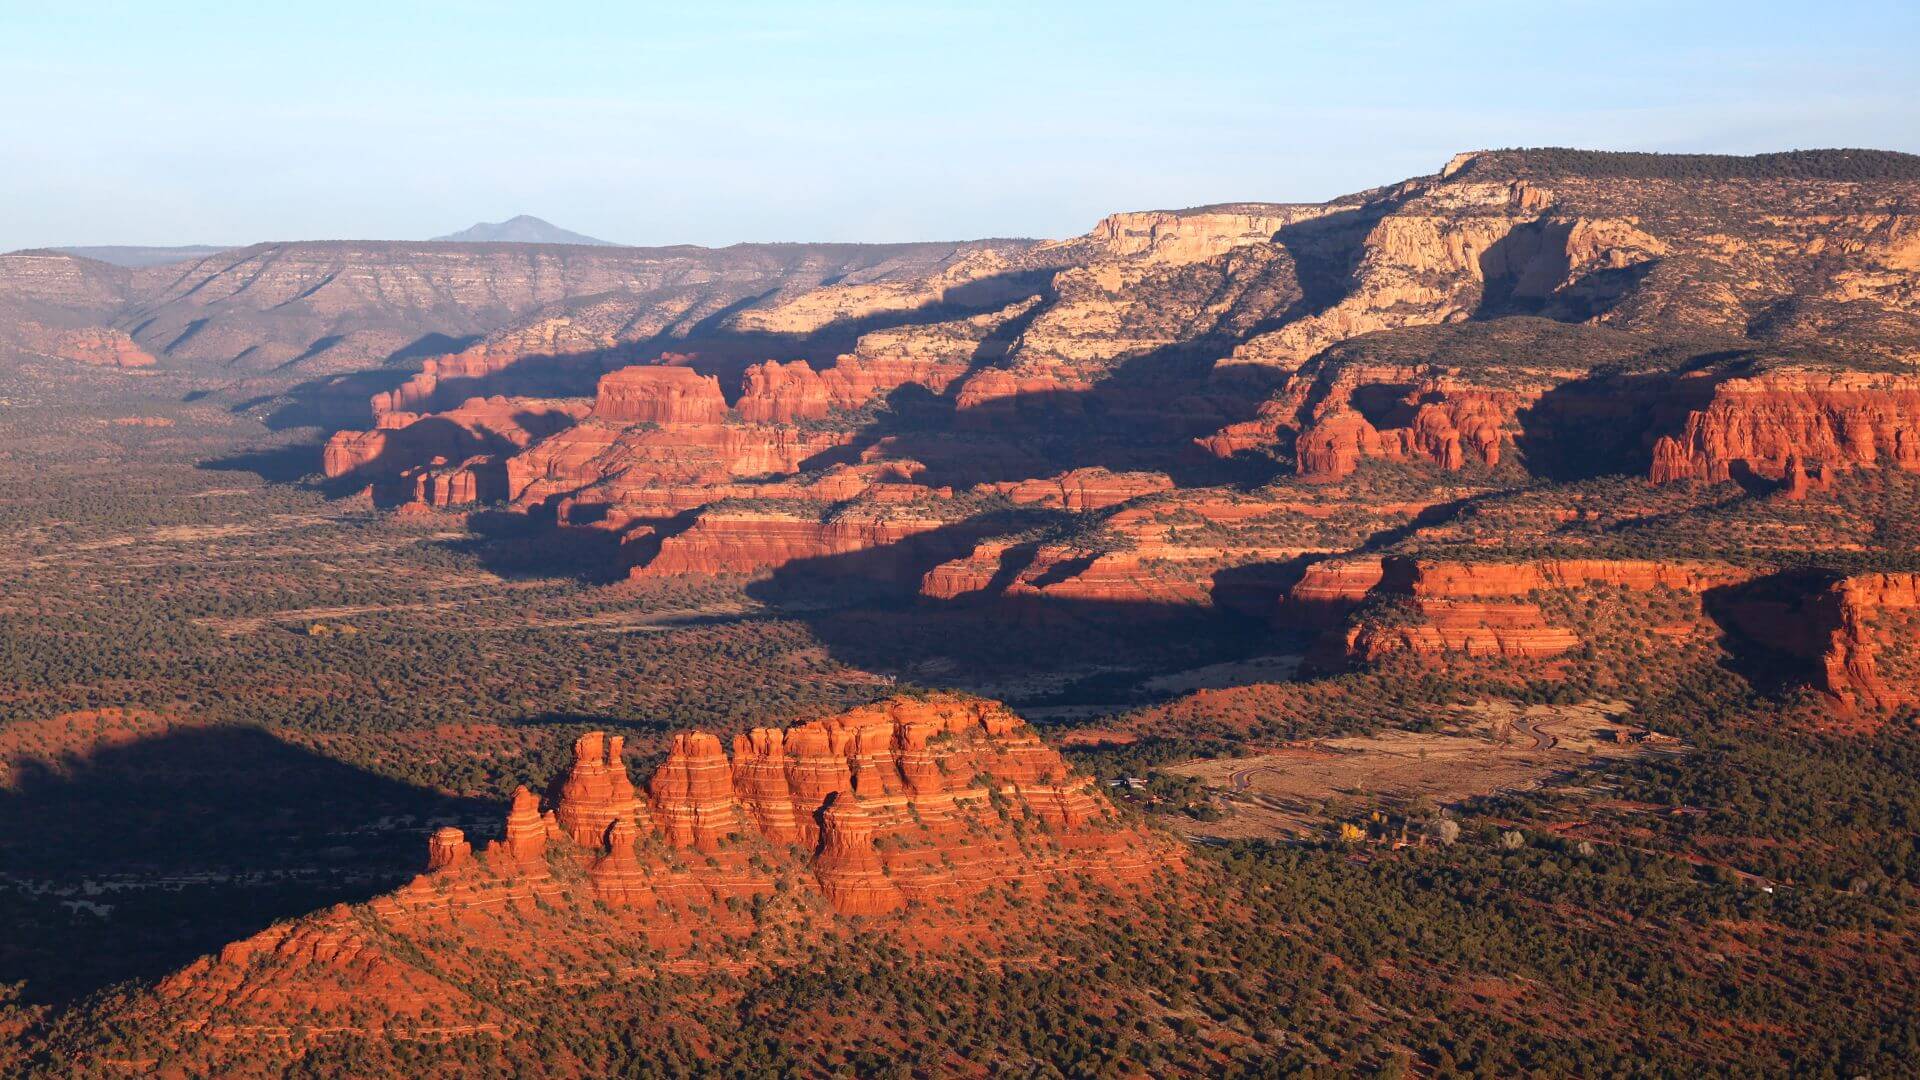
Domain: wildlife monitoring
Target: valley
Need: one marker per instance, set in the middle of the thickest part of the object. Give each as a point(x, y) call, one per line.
point(1461, 627)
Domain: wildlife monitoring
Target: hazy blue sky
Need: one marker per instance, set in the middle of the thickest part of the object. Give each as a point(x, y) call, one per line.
point(715, 122)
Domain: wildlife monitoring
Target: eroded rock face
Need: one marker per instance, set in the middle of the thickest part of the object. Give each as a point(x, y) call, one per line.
point(693, 795)
point(1854, 632)
point(894, 804)
point(526, 832)
point(1185, 236)
point(1469, 627)
point(1766, 424)
point(618, 875)
point(1448, 428)
point(983, 273)
point(882, 548)
point(95, 346)
point(1874, 612)
point(440, 377)
point(653, 394)
point(1453, 250)
point(596, 792)
point(1086, 489)
point(448, 847)
point(1474, 608)
point(849, 869)
point(404, 445)
point(776, 393)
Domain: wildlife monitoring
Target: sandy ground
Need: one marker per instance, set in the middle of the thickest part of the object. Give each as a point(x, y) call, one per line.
point(1298, 790)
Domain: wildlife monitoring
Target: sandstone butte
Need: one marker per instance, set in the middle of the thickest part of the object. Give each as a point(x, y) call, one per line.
point(1473, 608)
point(913, 813)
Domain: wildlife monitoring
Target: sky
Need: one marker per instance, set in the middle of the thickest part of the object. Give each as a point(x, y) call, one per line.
point(714, 122)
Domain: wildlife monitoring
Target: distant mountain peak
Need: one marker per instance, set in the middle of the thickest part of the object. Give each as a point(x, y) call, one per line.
point(524, 229)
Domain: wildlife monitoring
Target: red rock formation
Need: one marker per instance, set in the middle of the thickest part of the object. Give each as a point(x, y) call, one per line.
point(849, 869)
point(477, 479)
point(526, 838)
point(693, 793)
point(1849, 663)
point(1036, 576)
point(641, 465)
point(1442, 578)
point(618, 876)
point(996, 396)
point(908, 769)
point(448, 848)
point(941, 820)
point(1766, 423)
point(1085, 489)
point(653, 394)
point(1842, 626)
point(752, 541)
point(596, 792)
point(403, 441)
point(101, 347)
point(1470, 607)
point(1450, 426)
point(95, 346)
point(1330, 589)
point(1475, 628)
point(816, 768)
point(764, 788)
point(441, 376)
point(776, 393)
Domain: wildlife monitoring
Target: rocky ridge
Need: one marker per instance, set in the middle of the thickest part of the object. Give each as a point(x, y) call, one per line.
point(914, 814)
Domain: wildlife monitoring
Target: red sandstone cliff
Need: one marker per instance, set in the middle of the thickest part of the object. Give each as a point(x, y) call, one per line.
point(776, 393)
point(1471, 607)
point(1855, 632)
point(656, 394)
point(95, 346)
point(1767, 423)
point(454, 458)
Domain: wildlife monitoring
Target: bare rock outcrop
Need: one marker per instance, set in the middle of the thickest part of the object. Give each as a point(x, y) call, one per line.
point(596, 792)
point(658, 394)
point(895, 804)
point(692, 794)
point(1766, 424)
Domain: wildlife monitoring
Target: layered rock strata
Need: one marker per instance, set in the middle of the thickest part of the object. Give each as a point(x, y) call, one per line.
point(904, 802)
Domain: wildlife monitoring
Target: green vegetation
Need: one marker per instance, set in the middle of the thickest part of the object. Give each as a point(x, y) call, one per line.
point(1842, 165)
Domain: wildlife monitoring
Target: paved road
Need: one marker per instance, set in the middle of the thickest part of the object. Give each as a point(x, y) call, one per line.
point(1541, 740)
point(1242, 779)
